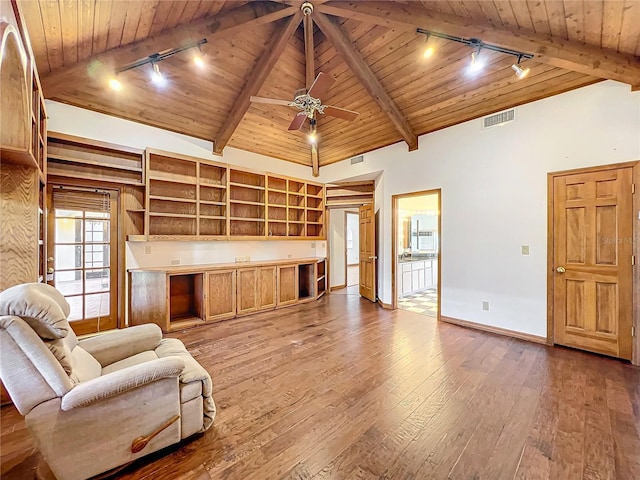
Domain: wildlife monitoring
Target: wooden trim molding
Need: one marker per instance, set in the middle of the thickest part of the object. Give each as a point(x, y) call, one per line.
point(338, 287)
point(497, 330)
point(386, 306)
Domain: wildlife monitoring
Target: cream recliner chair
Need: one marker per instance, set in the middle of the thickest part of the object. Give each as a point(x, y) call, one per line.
point(95, 404)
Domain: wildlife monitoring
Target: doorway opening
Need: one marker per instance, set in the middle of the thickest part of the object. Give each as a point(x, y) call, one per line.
point(352, 248)
point(416, 252)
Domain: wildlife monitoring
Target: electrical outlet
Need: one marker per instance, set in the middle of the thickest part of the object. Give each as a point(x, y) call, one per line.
point(313, 244)
point(175, 262)
point(485, 306)
point(147, 250)
point(525, 249)
point(323, 245)
point(247, 259)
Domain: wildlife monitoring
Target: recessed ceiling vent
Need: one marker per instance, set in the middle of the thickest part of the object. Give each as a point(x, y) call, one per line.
point(358, 159)
point(498, 119)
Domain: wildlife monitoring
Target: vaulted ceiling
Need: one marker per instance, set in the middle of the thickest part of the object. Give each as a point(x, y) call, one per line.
point(371, 48)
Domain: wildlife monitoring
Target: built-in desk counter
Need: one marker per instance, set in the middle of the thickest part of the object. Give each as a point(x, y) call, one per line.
point(178, 297)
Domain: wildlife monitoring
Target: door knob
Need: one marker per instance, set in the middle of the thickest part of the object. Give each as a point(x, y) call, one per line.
point(373, 258)
point(50, 259)
point(561, 270)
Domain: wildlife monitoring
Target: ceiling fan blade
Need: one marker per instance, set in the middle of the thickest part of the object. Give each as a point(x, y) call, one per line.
point(298, 121)
point(340, 113)
point(271, 101)
point(321, 85)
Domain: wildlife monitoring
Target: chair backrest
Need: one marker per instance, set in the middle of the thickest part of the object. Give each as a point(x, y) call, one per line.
point(28, 369)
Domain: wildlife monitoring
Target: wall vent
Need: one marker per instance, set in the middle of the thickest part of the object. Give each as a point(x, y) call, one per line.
point(498, 119)
point(358, 159)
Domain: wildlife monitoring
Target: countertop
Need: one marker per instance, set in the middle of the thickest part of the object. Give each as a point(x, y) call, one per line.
point(214, 266)
point(418, 257)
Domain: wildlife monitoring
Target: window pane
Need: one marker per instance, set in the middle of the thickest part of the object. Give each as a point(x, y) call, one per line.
point(69, 283)
point(68, 213)
point(96, 305)
point(68, 230)
point(68, 256)
point(97, 280)
point(96, 256)
point(76, 308)
point(97, 231)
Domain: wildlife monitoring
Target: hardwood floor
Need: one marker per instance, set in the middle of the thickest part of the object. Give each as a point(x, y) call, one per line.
point(342, 389)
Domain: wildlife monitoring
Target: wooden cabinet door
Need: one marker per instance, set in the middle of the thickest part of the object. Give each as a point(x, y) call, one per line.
point(221, 294)
point(287, 284)
point(592, 271)
point(266, 288)
point(247, 288)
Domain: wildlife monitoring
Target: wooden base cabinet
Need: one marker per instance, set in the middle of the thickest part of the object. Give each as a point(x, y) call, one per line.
point(267, 287)
point(287, 285)
point(180, 297)
point(221, 294)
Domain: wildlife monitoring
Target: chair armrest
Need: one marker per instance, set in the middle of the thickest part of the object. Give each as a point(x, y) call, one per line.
point(121, 381)
point(117, 345)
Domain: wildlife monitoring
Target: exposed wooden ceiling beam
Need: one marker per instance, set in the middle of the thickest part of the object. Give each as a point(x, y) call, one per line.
point(104, 65)
point(260, 73)
point(567, 54)
point(363, 72)
point(309, 58)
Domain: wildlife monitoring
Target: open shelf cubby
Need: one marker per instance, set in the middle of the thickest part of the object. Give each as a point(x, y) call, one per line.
point(306, 281)
point(277, 229)
point(185, 294)
point(213, 175)
point(276, 183)
point(162, 167)
point(211, 226)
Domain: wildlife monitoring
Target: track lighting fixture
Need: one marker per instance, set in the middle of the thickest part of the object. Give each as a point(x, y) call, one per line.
point(476, 62)
point(155, 58)
point(115, 84)
point(520, 72)
point(156, 74)
point(429, 50)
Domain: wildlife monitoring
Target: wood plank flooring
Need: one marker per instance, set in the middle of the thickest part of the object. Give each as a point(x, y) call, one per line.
point(341, 389)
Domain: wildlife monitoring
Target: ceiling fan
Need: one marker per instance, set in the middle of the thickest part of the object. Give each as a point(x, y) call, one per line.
point(309, 103)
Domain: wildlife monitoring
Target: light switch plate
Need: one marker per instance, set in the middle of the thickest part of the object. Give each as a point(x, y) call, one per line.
point(175, 262)
point(147, 250)
point(525, 249)
point(485, 306)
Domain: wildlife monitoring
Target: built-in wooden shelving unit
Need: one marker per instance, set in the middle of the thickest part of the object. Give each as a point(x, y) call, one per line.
point(189, 198)
point(352, 194)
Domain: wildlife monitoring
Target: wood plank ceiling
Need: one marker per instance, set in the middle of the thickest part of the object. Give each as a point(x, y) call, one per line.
point(79, 43)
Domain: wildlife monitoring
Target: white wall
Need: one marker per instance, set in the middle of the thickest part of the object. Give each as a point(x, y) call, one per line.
point(337, 239)
point(353, 233)
point(85, 123)
point(494, 196)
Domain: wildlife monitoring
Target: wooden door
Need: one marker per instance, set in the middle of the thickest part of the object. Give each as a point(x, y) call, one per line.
point(221, 294)
point(368, 252)
point(592, 250)
point(83, 249)
point(266, 288)
point(287, 284)
point(247, 291)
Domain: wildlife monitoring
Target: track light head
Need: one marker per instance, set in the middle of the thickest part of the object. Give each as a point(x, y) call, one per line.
point(115, 84)
point(520, 72)
point(156, 74)
point(477, 63)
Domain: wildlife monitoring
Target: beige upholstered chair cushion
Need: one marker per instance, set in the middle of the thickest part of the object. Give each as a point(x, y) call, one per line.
point(40, 305)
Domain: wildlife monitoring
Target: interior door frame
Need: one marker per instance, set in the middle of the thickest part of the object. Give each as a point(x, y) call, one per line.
point(635, 165)
point(121, 288)
point(394, 238)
